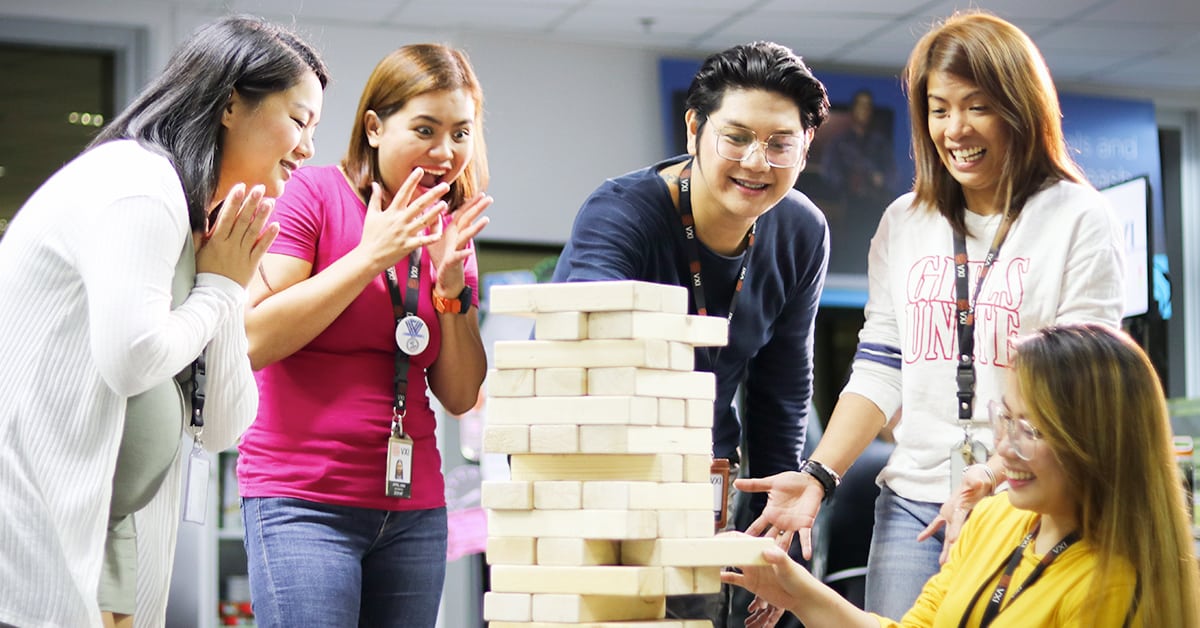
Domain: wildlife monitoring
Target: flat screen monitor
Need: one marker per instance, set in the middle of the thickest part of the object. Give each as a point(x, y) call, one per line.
point(1131, 202)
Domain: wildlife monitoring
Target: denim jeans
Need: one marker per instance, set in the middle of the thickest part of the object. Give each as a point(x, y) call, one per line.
point(316, 564)
point(899, 565)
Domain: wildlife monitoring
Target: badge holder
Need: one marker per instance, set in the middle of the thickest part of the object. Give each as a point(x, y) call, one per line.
point(195, 490)
point(963, 455)
point(719, 476)
point(399, 463)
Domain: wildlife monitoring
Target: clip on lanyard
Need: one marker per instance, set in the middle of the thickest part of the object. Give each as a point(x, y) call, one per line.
point(195, 503)
point(412, 337)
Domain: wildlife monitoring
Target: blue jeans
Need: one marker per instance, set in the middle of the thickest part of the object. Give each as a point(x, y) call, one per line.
point(315, 564)
point(898, 565)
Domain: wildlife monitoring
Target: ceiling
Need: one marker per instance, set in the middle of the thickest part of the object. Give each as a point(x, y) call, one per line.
point(1129, 44)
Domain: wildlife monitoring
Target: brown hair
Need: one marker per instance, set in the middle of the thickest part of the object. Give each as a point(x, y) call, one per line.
point(1008, 68)
point(1101, 409)
point(406, 73)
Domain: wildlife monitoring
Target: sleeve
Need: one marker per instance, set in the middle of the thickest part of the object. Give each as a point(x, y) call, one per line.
point(1093, 283)
point(127, 264)
point(606, 241)
point(298, 211)
point(779, 379)
point(231, 400)
point(876, 372)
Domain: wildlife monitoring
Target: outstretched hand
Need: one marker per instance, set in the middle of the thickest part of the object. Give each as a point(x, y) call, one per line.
point(449, 253)
point(407, 224)
point(793, 501)
point(776, 586)
point(239, 236)
point(953, 513)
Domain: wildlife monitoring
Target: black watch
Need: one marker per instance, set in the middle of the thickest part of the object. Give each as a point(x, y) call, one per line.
point(828, 478)
point(456, 305)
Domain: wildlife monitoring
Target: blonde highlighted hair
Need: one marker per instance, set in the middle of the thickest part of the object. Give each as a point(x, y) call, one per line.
point(406, 73)
point(1101, 409)
point(1007, 67)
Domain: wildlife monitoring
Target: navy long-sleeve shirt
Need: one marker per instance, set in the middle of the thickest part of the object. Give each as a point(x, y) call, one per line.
point(629, 228)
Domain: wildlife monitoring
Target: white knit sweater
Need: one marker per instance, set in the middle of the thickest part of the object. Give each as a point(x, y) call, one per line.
point(85, 322)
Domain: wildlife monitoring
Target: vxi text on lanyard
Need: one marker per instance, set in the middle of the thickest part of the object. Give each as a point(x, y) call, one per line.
point(969, 451)
point(412, 337)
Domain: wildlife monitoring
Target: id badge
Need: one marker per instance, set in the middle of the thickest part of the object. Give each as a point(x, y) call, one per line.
point(963, 455)
point(195, 501)
point(399, 467)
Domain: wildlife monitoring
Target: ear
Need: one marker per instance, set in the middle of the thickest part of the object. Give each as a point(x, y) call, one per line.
point(235, 101)
point(692, 121)
point(372, 127)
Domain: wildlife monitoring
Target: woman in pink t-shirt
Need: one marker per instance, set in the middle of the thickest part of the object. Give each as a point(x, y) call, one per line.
point(365, 303)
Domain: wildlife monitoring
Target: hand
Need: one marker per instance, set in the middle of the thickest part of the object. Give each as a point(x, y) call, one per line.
point(449, 253)
point(406, 225)
point(793, 501)
point(976, 485)
point(239, 237)
point(776, 586)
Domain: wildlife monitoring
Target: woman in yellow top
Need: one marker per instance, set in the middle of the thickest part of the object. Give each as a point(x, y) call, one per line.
point(1092, 531)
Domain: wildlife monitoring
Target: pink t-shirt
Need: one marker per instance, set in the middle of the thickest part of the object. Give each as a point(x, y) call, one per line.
point(325, 411)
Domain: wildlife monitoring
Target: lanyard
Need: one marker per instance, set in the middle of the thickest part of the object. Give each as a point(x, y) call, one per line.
point(197, 394)
point(411, 295)
point(1010, 566)
point(693, 250)
point(965, 307)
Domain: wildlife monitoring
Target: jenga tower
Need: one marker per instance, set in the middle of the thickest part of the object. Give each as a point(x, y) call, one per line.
point(609, 429)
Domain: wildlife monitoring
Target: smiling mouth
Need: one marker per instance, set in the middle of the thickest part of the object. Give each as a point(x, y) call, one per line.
point(1020, 476)
point(750, 185)
point(968, 155)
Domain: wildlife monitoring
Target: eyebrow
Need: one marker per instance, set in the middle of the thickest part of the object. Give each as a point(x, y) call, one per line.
point(439, 122)
point(775, 132)
point(975, 94)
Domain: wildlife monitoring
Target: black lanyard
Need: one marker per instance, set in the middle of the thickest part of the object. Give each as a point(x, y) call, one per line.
point(411, 295)
point(1010, 566)
point(693, 250)
point(965, 307)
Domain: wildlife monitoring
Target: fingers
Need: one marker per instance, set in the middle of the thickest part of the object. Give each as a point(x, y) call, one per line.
point(240, 207)
point(933, 527)
point(401, 199)
point(806, 548)
point(753, 485)
point(759, 526)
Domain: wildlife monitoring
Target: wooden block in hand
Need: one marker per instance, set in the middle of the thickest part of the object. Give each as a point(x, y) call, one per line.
point(592, 296)
point(575, 608)
point(715, 551)
point(697, 331)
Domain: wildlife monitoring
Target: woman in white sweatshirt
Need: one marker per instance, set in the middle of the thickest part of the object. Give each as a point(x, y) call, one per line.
point(86, 319)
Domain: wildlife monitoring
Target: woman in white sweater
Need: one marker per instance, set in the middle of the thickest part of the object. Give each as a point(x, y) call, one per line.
point(1001, 236)
point(86, 320)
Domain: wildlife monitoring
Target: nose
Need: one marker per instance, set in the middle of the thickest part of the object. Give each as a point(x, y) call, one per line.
point(307, 147)
point(443, 149)
point(756, 159)
point(957, 125)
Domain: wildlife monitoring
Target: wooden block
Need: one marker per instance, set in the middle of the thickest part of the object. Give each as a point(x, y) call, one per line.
point(698, 331)
point(697, 468)
point(636, 382)
point(649, 623)
point(646, 496)
point(510, 383)
point(640, 439)
point(569, 381)
point(511, 550)
point(588, 467)
point(715, 551)
point(578, 552)
point(677, 580)
point(572, 410)
point(655, 354)
point(558, 495)
point(506, 495)
point(685, 524)
point(577, 608)
point(507, 606)
point(707, 580)
point(553, 439)
point(561, 326)
point(672, 412)
point(593, 296)
point(506, 439)
point(596, 580)
point(587, 524)
point(699, 413)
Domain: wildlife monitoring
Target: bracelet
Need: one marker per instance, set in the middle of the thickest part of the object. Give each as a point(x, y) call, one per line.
point(827, 477)
point(990, 474)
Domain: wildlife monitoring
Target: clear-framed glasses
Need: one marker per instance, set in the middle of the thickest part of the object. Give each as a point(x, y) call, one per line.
point(781, 150)
point(1022, 436)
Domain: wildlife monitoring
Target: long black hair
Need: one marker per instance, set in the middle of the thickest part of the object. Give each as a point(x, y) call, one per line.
point(179, 113)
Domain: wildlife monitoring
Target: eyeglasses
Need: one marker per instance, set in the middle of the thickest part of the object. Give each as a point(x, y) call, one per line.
point(1022, 436)
point(781, 150)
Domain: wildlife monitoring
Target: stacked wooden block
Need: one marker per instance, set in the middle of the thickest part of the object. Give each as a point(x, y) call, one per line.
point(609, 508)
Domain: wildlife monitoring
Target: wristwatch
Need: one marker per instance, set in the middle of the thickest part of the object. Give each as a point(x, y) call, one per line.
point(455, 305)
point(828, 478)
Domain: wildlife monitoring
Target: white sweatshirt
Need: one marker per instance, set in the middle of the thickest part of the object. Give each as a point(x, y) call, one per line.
point(85, 322)
point(1062, 262)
